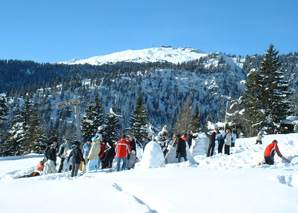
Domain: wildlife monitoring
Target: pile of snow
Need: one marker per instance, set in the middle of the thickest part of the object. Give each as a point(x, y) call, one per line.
point(152, 156)
point(155, 54)
point(234, 183)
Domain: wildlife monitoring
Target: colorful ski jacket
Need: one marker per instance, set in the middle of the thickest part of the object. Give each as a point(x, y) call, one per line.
point(122, 148)
point(271, 149)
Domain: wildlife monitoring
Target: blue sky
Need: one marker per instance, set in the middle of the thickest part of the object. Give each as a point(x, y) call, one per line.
point(59, 30)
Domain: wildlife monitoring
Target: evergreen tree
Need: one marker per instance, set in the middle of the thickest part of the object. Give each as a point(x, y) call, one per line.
point(254, 112)
point(266, 95)
point(3, 117)
point(138, 120)
point(195, 123)
point(274, 91)
point(93, 119)
point(112, 128)
point(19, 135)
point(37, 131)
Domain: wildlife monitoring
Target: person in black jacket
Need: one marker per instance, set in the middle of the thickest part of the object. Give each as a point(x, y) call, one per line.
point(77, 157)
point(50, 155)
point(109, 155)
point(181, 148)
point(211, 143)
point(189, 137)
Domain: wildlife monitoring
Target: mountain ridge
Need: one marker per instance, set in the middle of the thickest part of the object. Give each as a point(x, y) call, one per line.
point(154, 54)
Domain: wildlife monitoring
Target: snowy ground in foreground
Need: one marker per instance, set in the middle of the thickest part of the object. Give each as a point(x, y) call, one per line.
point(218, 184)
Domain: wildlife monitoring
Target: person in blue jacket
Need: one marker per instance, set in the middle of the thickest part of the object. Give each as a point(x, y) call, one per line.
point(86, 150)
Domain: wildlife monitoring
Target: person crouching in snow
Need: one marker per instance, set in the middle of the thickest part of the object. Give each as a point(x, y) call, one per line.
point(77, 157)
point(132, 160)
point(39, 168)
point(270, 152)
point(93, 154)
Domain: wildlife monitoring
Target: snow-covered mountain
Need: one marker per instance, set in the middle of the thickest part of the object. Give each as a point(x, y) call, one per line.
point(155, 54)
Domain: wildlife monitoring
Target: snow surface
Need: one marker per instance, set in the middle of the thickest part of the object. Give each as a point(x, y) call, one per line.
point(155, 54)
point(219, 183)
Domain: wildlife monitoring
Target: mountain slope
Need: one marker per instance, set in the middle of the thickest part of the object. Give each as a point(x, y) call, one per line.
point(156, 54)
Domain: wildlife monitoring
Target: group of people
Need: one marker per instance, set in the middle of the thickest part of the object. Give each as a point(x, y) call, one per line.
point(98, 154)
point(225, 140)
point(95, 154)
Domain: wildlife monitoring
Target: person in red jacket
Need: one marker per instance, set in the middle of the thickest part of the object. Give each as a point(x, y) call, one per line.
point(122, 148)
point(101, 155)
point(270, 152)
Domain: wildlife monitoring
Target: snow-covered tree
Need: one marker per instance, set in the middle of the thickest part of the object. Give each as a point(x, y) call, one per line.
point(274, 90)
point(93, 118)
point(112, 128)
point(138, 120)
point(3, 116)
point(265, 98)
point(19, 135)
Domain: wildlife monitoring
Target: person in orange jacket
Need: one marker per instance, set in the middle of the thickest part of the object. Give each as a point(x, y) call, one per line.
point(122, 148)
point(270, 152)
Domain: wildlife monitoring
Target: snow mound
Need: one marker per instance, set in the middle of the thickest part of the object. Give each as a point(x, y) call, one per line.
point(152, 157)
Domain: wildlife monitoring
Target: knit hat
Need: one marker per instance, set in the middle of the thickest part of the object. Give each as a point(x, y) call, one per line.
point(94, 139)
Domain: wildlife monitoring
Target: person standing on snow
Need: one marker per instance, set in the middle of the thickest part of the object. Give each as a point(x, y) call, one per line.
point(122, 148)
point(270, 152)
point(228, 141)
point(181, 148)
point(93, 155)
point(86, 150)
point(211, 143)
point(220, 140)
point(259, 137)
point(77, 157)
point(109, 155)
point(63, 153)
point(50, 165)
point(234, 137)
point(101, 155)
point(189, 138)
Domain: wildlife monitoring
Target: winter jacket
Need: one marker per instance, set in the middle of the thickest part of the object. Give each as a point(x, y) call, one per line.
point(211, 138)
point(51, 155)
point(228, 139)
point(218, 137)
point(86, 149)
point(94, 151)
point(132, 161)
point(181, 148)
point(234, 137)
point(189, 138)
point(271, 149)
point(110, 151)
point(102, 150)
point(122, 148)
point(63, 150)
point(133, 144)
point(77, 156)
point(260, 136)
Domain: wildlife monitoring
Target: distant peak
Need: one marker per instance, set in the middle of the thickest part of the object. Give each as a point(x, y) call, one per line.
point(153, 54)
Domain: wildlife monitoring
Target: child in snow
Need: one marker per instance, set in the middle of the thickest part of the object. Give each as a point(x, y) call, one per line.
point(132, 160)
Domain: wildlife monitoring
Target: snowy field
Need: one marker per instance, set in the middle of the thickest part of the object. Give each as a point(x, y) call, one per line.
point(216, 184)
